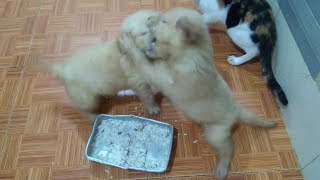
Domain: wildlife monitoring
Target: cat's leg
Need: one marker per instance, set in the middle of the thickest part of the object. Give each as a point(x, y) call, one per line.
point(251, 52)
point(209, 18)
point(213, 17)
point(241, 36)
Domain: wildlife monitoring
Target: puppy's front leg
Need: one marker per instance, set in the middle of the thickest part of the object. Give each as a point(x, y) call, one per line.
point(127, 45)
point(144, 93)
point(137, 82)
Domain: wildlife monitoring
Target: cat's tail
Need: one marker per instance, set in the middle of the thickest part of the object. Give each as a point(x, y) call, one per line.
point(266, 48)
point(252, 120)
point(56, 69)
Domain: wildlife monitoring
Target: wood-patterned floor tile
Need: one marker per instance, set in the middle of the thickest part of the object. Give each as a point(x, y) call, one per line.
point(7, 174)
point(93, 6)
point(9, 87)
point(269, 104)
point(90, 23)
point(288, 160)
point(37, 150)
point(10, 149)
point(292, 175)
point(33, 173)
point(25, 92)
point(43, 118)
point(71, 119)
point(4, 119)
point(65, 23)
point(101, 172)
point(42, 24)
point(18, 120)
point(279, 138)
point(7, 44)
point(58, 43)
point(11, 26)
point(2, 138)
point(38, 45)
point(251, 101)
point(71, 148)
point(63, 7)
point(259, 161)
point(265, 176)
point(28, 26)
point(187, 166)
point(67, 173)
point(22, 45)
point(163, 5)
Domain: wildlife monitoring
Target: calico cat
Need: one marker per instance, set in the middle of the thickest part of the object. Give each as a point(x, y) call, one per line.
point(250, 24)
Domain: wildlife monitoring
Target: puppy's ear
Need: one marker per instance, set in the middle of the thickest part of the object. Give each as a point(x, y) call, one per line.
point(190, 31)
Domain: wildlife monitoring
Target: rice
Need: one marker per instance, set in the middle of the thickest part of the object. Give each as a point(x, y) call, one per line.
point(132, 144)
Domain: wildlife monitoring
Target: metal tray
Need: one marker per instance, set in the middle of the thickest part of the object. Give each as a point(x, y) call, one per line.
point(104, 117)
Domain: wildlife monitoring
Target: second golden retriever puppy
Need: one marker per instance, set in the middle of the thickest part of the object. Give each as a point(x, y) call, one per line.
point(180, 65)
point(99, 70)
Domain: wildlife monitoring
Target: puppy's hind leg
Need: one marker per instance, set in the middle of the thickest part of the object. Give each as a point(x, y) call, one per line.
point(84, 100)
point(218, 136)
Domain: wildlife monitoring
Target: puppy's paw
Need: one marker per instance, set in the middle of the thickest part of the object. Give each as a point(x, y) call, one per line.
point(154, 109)
point(233, 60)
point(221, 171)
point(125, 42)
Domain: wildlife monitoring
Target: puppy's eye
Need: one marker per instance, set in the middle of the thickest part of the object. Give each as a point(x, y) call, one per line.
point(164, 21)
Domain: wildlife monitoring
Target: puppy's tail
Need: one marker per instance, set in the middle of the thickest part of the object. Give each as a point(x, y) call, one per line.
point(56, 69)
point(253, 120)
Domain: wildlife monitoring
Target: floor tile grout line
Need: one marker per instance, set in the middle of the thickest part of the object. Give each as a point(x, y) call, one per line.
point(311, 162)
point(16, 93)
point(241, 172)
point(267, 171)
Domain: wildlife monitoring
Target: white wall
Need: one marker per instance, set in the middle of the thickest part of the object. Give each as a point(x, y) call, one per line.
point(302, 115)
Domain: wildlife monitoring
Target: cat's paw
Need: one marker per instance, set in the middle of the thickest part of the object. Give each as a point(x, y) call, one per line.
point(233, 60)
point(221, 171)
point(153, 110)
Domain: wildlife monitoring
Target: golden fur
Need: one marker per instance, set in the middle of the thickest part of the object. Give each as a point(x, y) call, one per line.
point(180, 66)
point(99, 70)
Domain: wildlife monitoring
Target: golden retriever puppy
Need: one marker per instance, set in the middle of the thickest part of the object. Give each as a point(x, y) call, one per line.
point(179, 64)
point(100, 70)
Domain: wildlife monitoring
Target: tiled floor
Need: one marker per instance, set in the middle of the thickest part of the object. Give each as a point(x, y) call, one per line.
point(42, 137)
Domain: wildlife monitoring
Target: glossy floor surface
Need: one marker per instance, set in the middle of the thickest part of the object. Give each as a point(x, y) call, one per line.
point(43, 137)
